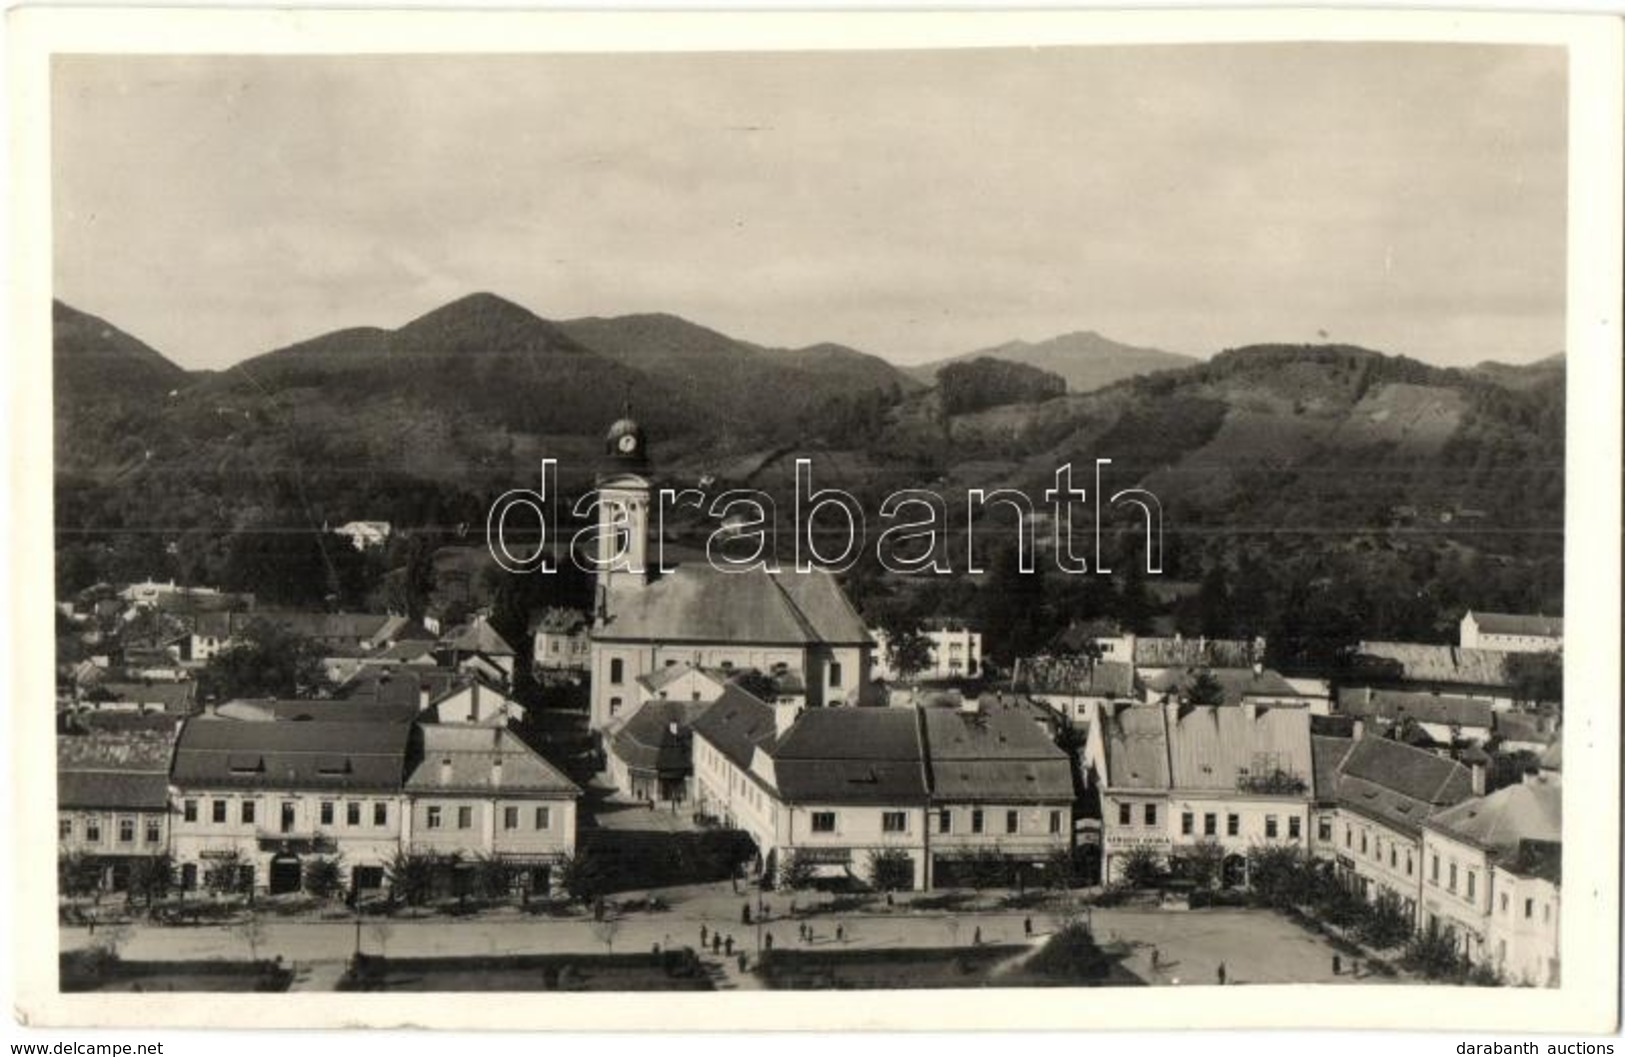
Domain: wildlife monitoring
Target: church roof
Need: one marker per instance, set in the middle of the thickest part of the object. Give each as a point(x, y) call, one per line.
point(698, 603)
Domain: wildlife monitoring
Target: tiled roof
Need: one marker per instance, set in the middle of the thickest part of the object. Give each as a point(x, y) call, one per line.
point(1328, 753)
point(663, 677)
point(657, 736)
point(295, 710)
point(1367, 703)
point(1518, 624)
point(1135, 740)
point(222, 753)
point(1520, 726)
point(558, 620)
point(1425, 663)
point(1399, 785)
point(851, 755)
point(1238, 683)
point(477, 636)
point(697, 603)
point(997, 753)
point(117, 771)
point(1218, 746)
point(1046, 674)
point(173, 697)
point(113, 790)
point(1537, 858)
point(737, 724)
point(1156, 652)
point(463, 759)
point(1532, 810)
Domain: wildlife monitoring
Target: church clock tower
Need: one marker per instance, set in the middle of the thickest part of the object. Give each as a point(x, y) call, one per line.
point(623, 513)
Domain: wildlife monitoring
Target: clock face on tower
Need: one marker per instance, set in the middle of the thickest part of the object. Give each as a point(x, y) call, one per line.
point(627, 444)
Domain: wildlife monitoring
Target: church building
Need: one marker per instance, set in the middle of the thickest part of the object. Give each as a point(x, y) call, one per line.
point(783, 624)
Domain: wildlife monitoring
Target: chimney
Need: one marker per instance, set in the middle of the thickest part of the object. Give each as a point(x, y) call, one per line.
point(1359, 729)
point(496, 771)
point(1258, 668)
point(1480, 774)
point(445, 770)
point(671, 728)
point(784, 716)
point(1249, 709)
point(1170, 709)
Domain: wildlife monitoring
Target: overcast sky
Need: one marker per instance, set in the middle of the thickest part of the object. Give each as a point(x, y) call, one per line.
point(1408, 198)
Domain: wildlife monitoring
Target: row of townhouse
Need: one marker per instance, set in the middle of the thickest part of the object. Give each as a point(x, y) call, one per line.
point(1417, 827)
point(271, 791)
point(835, 787)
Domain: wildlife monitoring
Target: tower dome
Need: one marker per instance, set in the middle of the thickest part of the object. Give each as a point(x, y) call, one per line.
point(625, 438)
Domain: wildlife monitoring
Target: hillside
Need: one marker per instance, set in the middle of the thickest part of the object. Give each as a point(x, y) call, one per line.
point(1085, 359)
point(745, 389)
point(93, 361)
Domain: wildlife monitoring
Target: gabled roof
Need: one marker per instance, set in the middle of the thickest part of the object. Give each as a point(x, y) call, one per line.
point(1238, 683)
point(1046, 674)
point(1367, 703)
point(464, 759)
point(304, 710)
point(997, 753)
point(1219, 746)
point(113, 771)
point(1398, 785)
point(698, 603)
point(663, 677)
point(657, 737)
point(222, 753)
point(1328, 752)
point(1518, 624)
point(1498, 823)
point(1426, 663)
point(851, 755)
point(1135, 741)
point(477, 636)
point(1078, 634)
point(737, 723)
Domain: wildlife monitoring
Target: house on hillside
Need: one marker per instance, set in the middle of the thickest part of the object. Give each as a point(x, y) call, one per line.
point(1447, 719)
point(562, 641)
point(1511, 632)
point(955, 651)
point(1075, 687)
point(477, 646)
point(1427, 668)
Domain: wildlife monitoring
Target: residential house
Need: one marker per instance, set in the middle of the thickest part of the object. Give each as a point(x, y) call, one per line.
point(1447, 719)
point(648, 752)
point(1507, 845)
point(270, 796)
point(474, 699)
point(681, 681)
point(477, 646)
point(1426, 668)
point(112, 799)
point(1512, 632)
point(1385, 791)
point(997, 784)
point(1074, 686)
point(955, 651)
point(1177, 775)
point(1328, 752)
point(562, 641)
point(479, 792)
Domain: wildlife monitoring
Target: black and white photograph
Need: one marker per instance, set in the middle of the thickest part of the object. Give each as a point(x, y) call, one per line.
point(1010, 516)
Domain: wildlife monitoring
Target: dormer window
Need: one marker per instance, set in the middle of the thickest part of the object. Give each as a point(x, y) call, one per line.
point(333, 765)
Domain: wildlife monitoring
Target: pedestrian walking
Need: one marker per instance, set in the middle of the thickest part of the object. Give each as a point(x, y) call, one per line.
point(744, 914)
point(1222, 974)
point(1156, 959)
point(1337, 965)
point(977, 939)
point(1027, 925)
point(744, 960)
point(840, 933)
point(768, 941)
point(716, 943)
point(705, 935)
point(728, 945)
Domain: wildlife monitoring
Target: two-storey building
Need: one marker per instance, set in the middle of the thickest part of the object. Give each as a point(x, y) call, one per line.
point(112, 792)
point(1512, 632)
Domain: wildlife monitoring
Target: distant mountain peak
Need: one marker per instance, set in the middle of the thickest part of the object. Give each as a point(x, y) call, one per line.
point(1085, 358)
